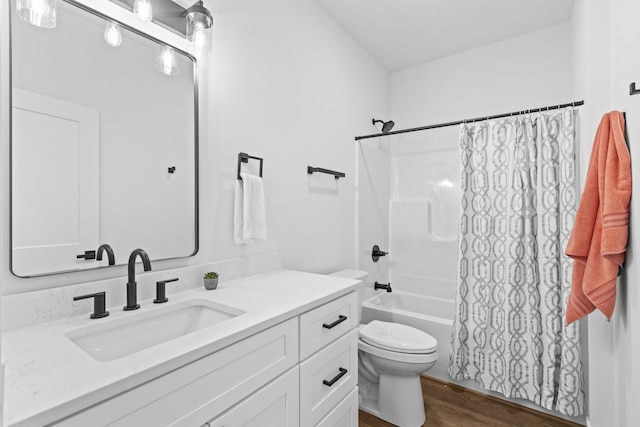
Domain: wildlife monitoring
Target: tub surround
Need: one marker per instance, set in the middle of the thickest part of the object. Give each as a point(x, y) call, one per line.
point(47, 377)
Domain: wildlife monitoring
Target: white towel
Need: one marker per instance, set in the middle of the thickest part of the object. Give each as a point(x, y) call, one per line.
point(249, 220)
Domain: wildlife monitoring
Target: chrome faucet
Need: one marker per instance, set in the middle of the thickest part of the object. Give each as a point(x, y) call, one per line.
point(132, 286)
point(106, 248)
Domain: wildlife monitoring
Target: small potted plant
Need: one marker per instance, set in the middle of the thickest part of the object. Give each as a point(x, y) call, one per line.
point(211, 280)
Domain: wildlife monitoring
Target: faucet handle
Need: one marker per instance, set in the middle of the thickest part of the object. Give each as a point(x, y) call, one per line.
point(99, 304)
point(376, 253)
point(161, 291)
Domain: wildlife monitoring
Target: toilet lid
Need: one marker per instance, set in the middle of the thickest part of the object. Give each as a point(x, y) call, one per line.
point(397, 337)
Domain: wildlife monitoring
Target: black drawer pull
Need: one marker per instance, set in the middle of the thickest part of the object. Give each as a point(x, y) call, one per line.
point(336, 378)
point(341, 319)
point(87, 255)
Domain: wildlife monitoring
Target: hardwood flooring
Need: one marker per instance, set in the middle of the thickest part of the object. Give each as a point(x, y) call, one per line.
point(449, 405)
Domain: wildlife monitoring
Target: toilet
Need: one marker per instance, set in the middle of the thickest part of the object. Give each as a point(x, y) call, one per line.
point(391, 358)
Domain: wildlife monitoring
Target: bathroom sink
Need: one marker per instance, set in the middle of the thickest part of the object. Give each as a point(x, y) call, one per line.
point(121, 337)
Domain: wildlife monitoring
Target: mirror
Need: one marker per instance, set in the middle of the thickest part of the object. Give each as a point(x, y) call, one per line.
point(104, 145)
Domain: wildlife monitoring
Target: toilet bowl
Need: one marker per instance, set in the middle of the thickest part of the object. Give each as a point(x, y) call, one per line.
point(391, 358)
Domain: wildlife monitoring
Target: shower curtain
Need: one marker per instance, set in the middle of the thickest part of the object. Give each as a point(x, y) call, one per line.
point(518, 207)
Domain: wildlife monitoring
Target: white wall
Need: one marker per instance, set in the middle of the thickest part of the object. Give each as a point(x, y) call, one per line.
point(605, 34)
point(286, 83)
point(290, 86)
point(532, 70)
point(528, 71)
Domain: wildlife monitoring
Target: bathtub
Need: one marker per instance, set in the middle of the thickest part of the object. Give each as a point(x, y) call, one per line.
point(429, 314)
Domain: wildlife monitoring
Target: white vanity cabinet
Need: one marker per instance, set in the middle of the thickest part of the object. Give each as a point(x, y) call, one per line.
point(301, 372)
point(329, 362)
point(327, 377)
point(197, 392)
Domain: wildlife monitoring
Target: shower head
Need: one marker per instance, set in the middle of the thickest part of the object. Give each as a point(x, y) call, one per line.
point(386, 126)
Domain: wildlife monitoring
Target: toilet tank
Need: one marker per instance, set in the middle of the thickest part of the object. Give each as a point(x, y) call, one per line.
point(355, 275)
point(351, 274)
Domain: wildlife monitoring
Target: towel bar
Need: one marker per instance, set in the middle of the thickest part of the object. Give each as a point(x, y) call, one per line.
point(244, 158)
point(336, 175)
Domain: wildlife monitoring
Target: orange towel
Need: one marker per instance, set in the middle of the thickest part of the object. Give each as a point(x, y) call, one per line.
point(599, 238)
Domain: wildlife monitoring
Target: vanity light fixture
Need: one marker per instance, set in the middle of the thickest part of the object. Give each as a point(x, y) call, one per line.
point(41, 13)
point(112, 34)
point(199, 20)
point(143, 10)
point(194, 22)
point(166, 62)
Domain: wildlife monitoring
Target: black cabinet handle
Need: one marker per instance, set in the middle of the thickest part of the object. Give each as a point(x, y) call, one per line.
point(341, 319)
point(88, 255)
point(333, 380)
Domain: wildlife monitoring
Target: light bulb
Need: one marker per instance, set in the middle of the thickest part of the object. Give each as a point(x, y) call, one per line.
point(166, 62)
point(142, 9)
point(199, 40)
point(41, 13)
point(112, 34)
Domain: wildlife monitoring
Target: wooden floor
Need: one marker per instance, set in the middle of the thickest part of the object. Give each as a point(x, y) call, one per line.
point(449, 405)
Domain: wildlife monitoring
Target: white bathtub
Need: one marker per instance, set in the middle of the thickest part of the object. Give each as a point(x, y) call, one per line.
point(429, 314)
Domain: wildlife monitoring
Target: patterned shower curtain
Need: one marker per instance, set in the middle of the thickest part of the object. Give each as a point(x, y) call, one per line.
point(518, 207)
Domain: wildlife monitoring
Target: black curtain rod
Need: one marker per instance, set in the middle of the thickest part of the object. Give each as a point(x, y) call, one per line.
point(477, 119)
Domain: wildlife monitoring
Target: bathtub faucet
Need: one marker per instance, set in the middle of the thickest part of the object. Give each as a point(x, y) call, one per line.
point(387, 286)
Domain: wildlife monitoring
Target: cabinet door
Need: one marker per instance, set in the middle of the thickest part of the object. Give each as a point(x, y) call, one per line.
point(343, 415)
point(327, 377)
point(275, 405)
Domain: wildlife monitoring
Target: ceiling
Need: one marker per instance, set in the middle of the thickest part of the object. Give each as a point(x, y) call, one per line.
point(403, 33)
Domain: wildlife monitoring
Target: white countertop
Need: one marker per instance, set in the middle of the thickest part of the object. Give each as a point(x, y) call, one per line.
point(47, 377)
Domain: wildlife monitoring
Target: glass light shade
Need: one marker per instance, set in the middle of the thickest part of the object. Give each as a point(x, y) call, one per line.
point(112, 34)
point(142, 9)
point(41, 13)
point(166, 62)
point(199, 38)
point(199, 21)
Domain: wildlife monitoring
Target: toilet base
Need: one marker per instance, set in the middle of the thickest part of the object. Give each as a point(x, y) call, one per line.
point(408, 413)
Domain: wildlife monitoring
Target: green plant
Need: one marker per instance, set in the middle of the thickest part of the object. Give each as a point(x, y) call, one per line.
point(211, 275)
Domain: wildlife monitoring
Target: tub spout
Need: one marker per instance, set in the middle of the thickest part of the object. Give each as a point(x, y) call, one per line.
point(386, 286)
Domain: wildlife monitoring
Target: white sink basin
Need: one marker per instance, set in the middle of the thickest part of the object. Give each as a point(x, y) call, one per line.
point(130, 334)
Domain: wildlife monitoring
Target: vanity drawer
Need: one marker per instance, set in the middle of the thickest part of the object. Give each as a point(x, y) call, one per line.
point(324, 324)
point(343, 415)
point(327, 377)
point(202, 389)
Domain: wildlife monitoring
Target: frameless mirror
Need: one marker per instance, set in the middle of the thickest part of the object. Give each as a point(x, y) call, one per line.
point(104, 144)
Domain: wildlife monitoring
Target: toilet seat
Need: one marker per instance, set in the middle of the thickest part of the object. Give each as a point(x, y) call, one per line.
point(398, 338)
point(395, 356)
